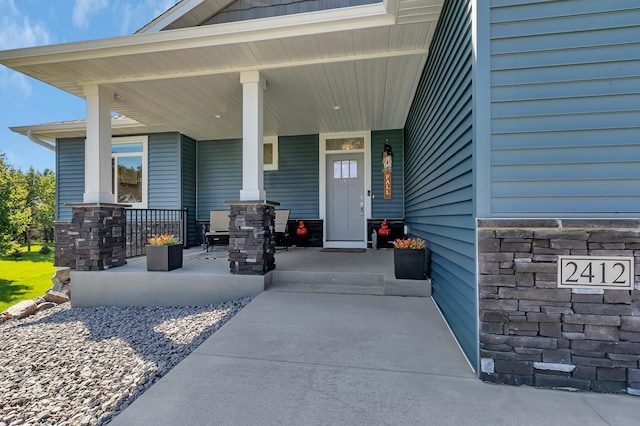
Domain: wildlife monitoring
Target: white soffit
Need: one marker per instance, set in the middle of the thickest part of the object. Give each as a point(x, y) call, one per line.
point(358, 58)
point(120, 125)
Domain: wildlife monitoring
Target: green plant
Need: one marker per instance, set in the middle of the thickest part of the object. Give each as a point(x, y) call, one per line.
point(45, 249)
point(16, 251)
point(409, 243)
point(163, 240)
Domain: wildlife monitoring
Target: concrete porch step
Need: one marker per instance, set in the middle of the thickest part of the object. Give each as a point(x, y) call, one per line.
point(347, 283)
point(328, 282)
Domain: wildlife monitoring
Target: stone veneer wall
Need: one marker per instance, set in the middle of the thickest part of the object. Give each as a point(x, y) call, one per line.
point(251, 237)
point(64, 246)
point(95, 238)
point(533, 333)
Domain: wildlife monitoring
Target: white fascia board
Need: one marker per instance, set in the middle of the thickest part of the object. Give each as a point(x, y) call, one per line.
point(342, 19)
point(51, 131)
point(170, 16)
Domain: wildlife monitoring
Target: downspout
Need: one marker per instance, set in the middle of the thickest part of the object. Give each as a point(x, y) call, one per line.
point(33, 138)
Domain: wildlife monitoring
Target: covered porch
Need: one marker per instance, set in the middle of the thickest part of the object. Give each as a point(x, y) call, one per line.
point(203, 102)
point(205, 278)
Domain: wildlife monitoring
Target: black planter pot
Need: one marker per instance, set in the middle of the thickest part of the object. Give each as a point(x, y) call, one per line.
point(164, 258)
point(408, 264)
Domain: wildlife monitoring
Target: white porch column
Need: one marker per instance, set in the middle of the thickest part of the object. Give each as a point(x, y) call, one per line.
point(97, 155)
point(253, 86)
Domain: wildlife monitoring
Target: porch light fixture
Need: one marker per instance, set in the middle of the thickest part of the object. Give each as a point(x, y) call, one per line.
point(217, 116)
point(335, 107)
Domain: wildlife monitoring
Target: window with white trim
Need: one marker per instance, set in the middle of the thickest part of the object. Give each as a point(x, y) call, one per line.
point(270, 153)
point(129, 171)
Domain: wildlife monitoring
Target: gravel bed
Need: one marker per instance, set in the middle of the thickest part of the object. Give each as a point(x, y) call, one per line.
point(81, 366)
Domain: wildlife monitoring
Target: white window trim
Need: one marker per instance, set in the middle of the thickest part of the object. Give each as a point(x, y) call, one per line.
point(273, 140)
point(323, 182)
point(145, 165)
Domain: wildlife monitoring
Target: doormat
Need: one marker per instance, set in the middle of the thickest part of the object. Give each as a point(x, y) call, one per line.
point(344, 250)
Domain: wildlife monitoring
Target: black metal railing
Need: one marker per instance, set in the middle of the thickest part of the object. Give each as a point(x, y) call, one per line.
point(145, 223)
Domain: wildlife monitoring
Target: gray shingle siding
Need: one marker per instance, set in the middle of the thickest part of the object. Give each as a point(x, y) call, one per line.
point(565, 108)
point(393, 208)
point(242, 10)
point(439, 197)
point(69, 175)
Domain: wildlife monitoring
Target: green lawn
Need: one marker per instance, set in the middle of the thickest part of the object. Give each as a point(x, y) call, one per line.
point(25, 278)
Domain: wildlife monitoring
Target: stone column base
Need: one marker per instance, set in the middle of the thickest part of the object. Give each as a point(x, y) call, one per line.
point(98, 230)
point(64, 246)
point(251, 237)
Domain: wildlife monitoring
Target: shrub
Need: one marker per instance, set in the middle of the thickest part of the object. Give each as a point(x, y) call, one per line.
point(45, 249)
point(16, 251)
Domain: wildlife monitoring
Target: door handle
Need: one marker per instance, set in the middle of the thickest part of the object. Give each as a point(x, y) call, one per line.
point(361, 208)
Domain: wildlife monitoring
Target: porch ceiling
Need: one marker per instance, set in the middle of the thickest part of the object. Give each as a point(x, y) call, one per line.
point(365, 59)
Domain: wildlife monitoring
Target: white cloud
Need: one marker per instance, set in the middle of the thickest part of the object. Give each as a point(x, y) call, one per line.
point(8, 6)
point(83, 9)
point(17, 31)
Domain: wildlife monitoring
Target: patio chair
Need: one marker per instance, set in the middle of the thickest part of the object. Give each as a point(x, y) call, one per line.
point(282, 229)
point(218, 227)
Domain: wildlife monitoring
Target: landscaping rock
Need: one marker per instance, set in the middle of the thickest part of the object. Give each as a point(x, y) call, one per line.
point(56, 297)
point(66, 366)
point(46, 305)
point(61, 277)
point(22, 309)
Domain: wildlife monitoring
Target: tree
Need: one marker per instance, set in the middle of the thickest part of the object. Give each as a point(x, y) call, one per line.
point(5, 190)
point(19, 206)
point(27, 201)
point(44, 212)
point(40, 200)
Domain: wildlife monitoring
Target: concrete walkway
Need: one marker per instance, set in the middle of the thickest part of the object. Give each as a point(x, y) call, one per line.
point(333, 359)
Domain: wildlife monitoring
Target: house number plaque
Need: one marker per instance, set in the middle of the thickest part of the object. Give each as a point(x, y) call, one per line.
point(610, 273)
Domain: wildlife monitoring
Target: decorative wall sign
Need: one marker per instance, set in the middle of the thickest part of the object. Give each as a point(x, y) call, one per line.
point(610, 273)
point(387, 163)
point(387, 185)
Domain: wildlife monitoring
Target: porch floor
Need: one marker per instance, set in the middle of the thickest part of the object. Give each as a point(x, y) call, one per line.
point(205, 279)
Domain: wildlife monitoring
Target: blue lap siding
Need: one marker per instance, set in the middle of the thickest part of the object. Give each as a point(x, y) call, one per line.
point(393, 208)
point(188, 172)
point(565, 108)
point(69, 175)
point(295, 185)
point(439, 193)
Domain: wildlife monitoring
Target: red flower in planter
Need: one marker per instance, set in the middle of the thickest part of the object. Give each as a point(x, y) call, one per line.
point(409, 243)
point(163, 240)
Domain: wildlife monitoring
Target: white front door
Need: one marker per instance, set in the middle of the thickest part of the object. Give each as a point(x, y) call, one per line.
point(345, 197)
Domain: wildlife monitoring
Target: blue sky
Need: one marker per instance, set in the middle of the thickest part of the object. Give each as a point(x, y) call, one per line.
point(26, 23)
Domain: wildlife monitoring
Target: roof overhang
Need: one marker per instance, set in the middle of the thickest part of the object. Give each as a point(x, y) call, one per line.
point(120, 126)
point(367, 59)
